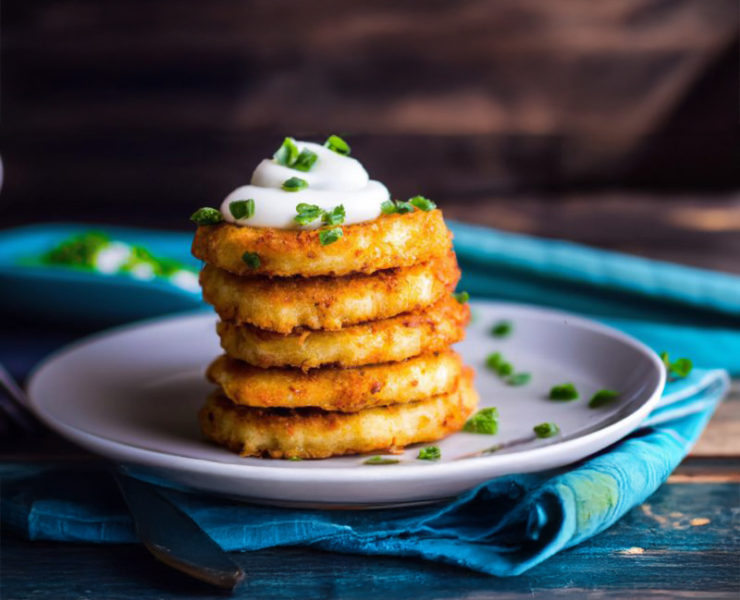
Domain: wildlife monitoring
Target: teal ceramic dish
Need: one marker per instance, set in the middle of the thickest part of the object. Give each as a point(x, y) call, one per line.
point(52, 293)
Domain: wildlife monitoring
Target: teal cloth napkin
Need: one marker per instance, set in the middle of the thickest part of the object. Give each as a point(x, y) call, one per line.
point(503, 527)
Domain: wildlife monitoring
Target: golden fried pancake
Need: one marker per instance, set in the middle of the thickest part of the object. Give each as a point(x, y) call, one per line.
point(398, 338)
point(390, 241)
point(282, 304)
point(345, 390)
point(313, 433)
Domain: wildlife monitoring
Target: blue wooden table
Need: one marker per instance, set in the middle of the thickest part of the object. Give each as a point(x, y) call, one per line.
point(683, 542)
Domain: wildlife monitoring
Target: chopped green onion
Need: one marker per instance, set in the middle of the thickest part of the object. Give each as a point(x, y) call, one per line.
point(502, 329)
point(564, 391)
point(329, 236)
point(602, 398)
point(338, 145)
point(251, 259)
point(505, 369)
point(422, 203)
point(461, 297)
point(430, 453)
point(242, 209)
point(287, 154)
point(295, 458)
point(305, 160)
point(546, 430)
point(404, 207)
point(294, 184)
point(484, 421)
point(519, 379)
point(206, 216)
point(307, 213)
point(388, 207)
point(335, 216)
point(381, 460)
point(494, 360)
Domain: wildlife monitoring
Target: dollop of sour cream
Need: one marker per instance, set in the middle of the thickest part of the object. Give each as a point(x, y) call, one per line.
point(333, 180)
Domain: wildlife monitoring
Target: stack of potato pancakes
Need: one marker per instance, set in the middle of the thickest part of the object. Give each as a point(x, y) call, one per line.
point(338, 348)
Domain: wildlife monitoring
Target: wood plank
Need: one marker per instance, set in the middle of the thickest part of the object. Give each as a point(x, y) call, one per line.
point(682, 544)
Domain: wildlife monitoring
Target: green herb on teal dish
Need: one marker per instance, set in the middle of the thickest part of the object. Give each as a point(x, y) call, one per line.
point(206, 216)
point(519, 379)
point(251, 259)
point(502, 329)
point(287, 154)
point(484, 421)
point(381, 460)
point(77, 251)
point(242, 209)
point(335, 216)
point(422, 203)
point(564, 392)
point(430, 453)
point(294, 184)
point(602, 398)
point(461, 297)
point(338, 145)
point(307, 213)
point(546, 430)
point(305, 160)
point(329, 236)
point(677, 369)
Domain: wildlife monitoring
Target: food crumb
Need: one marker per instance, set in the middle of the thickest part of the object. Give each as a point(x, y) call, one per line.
point(698, 522)
point(633, 550)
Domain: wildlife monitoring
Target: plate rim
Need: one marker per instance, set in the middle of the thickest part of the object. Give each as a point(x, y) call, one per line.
point(391, 473)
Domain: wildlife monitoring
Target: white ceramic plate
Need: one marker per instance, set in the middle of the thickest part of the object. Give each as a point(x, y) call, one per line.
point(132, 395)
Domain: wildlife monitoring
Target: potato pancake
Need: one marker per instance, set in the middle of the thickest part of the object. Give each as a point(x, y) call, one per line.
point(282, 304)
point(313, 433)
point(398, 338)
point(344, 390)
point(390, 241)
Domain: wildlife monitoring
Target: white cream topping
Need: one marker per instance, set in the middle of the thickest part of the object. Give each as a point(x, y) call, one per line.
point(333, 180)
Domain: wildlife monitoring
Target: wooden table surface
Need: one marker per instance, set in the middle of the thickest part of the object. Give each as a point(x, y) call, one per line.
point(683, 542)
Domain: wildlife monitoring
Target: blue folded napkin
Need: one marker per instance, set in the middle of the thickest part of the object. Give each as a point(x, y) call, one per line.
point(503, 527)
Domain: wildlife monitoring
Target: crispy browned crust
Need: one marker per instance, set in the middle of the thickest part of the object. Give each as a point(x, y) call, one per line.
point(429, 330)
point(282, 304)
point(344, 390)
point(313, 433)
point(387, 242)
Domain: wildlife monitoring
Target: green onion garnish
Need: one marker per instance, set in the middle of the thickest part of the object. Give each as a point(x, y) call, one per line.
point(307, 213)
point(602, 398)
point(679, 368)
point(338, 145)
point(294, 184)
point(502, 329)
point(251, 259)
point(287, 154)
point(335, 216)
point(422, 203)
point(518, 379)
point(242, 209)
point(404, 207)
point(381, 460)
point(484, 421)
point(564, 391)
point(430, 453)
point(329, 236)
point(305, 160)
point(461, 297)
point(546, 430)
point(494, 360)
point(206, 216)
point(295, 458)
point(388, 207)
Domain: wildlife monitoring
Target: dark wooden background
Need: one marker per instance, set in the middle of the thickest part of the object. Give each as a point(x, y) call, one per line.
point(613, 123)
